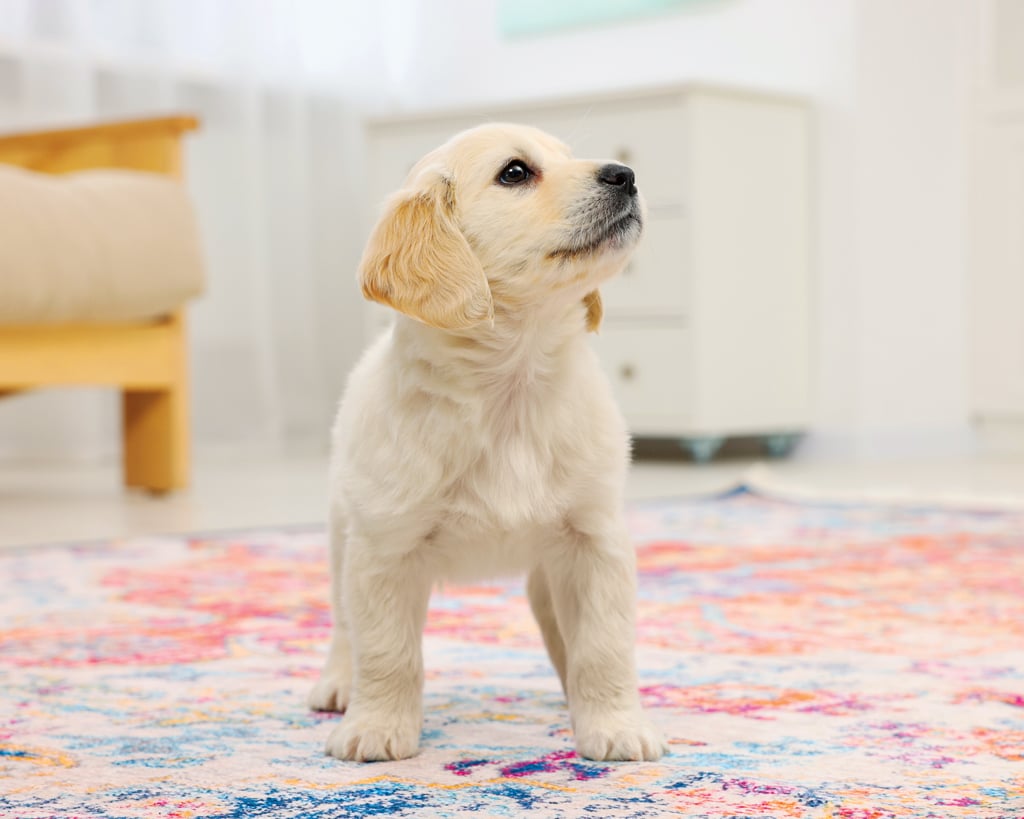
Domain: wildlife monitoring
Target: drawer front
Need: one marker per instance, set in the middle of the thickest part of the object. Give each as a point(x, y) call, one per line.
point(656, 281)
point(648, 369)
point(649, 137)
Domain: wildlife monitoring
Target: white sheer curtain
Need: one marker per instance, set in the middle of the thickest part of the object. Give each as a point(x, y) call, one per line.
point(276, 175)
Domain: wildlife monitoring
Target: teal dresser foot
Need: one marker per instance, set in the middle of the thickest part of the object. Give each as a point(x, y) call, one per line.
point(703, 449)
point(780, 445)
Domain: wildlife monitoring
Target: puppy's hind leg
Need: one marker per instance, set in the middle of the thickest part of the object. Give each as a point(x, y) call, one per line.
point(539, 593)
point(332, 690)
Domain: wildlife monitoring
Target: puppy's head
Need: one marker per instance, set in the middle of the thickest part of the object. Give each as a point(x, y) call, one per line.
point(501, 215)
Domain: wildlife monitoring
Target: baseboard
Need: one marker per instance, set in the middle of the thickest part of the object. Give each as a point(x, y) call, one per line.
point(774, 481)
point(895, 443)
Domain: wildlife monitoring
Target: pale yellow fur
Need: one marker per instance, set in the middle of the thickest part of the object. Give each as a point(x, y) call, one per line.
point(480, 437)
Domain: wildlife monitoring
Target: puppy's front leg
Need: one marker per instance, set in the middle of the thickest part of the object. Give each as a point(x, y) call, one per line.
point(592, 580)
point(331, 691)
point(386, 596)
point(543, 607)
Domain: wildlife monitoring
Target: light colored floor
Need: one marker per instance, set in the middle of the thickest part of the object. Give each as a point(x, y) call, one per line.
point(54, 503)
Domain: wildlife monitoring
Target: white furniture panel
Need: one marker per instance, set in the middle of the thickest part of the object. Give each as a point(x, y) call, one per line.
point(750, 213)
point(646, 288)
point(647, 373)
point(644, 133)
point(707, 334)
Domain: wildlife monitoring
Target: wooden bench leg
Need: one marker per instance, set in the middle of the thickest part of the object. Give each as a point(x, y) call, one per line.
point(156, 438)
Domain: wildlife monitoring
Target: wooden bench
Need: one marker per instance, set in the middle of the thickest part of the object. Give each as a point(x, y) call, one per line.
point(146, 361)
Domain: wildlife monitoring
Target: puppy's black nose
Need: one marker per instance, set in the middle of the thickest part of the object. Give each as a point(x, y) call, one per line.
point(618, 176)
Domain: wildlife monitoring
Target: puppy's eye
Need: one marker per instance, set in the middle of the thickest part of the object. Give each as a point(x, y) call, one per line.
point(515, 173)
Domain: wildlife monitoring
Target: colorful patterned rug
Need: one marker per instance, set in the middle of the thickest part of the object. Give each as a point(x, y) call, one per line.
point(805, 660)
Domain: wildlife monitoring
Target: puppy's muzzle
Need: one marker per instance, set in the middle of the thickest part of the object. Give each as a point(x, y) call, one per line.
point(610, 217)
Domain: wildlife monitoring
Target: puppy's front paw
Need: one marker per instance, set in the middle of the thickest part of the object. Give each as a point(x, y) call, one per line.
point(366, 738)
point(331, 691)
point(628, 735)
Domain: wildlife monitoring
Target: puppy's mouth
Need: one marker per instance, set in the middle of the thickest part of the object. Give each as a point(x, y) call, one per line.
point(605, 232)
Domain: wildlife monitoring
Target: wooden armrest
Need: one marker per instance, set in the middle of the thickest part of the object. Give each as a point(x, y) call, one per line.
point(151, 144)
point(113, 131)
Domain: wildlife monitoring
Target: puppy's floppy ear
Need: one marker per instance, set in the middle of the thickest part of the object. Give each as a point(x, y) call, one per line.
point(595, 310)
point(418, 261)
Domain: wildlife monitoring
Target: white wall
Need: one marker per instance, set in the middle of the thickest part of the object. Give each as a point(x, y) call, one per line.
point(887, 80)
point(911, 199)
point(459, 56)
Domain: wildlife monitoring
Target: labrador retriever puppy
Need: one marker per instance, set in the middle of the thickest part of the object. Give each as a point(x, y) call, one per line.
point(479, 437)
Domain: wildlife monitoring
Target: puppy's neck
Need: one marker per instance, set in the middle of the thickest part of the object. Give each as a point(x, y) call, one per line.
point(533, 345)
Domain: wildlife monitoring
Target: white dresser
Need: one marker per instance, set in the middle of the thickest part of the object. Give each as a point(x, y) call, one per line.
point(707, 334)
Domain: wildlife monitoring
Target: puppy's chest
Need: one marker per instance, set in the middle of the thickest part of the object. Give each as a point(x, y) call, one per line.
point(522, 466)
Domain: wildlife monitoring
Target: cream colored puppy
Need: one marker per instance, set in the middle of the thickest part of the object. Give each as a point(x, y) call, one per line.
point(479, 437)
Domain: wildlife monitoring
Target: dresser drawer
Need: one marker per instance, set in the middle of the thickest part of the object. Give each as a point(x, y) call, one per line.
point(648, 369)
point(656, 282)
point(649, 137)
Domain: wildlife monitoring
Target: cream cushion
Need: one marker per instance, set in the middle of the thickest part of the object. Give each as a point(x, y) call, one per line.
point(94, 246)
